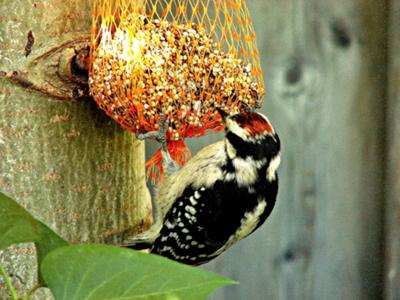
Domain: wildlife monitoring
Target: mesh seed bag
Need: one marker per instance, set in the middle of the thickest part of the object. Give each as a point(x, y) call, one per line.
point(180, 58)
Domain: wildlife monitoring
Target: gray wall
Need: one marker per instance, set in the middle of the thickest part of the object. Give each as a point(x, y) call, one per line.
point(325, 74)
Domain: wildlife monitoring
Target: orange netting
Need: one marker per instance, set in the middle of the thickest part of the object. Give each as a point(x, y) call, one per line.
point(183, 58)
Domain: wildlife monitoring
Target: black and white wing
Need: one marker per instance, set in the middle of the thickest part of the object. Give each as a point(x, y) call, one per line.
point(203, 222)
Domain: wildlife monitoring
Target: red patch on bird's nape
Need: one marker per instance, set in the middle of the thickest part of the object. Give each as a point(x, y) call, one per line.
point(254, 123)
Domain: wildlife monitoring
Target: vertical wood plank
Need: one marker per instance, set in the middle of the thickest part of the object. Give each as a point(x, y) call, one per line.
point(392, 270)
point(348, 238)
point(325, 69)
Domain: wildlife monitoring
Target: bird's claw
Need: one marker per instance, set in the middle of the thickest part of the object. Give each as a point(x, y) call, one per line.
point(163, 130)
point(159, 135)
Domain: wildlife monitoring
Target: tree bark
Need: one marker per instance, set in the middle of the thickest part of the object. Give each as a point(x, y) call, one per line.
point(64, 160)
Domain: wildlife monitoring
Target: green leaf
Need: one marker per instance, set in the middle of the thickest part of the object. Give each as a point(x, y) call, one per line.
point(95, 272)
point(18, 226)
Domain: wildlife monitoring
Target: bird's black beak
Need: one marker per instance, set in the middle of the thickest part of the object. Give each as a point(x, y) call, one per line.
point(222, 113)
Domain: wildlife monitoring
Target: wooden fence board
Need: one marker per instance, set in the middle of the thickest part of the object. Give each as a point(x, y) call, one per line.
point(325, 75)
point(392, 270)
point(325, 71)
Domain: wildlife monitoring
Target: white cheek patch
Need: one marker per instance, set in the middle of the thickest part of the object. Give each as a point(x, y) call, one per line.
point(273, 167)
point(230, 149)
point(246, 172)
point(236, 129)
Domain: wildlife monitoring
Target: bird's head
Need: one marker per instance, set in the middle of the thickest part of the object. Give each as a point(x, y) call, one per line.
point(250, 134)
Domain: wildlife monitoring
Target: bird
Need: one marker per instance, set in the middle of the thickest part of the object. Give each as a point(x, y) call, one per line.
point(220, 196)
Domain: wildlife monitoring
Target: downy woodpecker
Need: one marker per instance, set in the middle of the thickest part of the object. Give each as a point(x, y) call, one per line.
point(220, 196)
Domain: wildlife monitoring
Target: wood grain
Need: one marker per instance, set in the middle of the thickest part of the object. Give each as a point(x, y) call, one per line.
point(392, 269)
point(325, 73)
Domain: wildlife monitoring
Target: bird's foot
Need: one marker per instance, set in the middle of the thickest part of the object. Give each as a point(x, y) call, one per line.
point(169, 165)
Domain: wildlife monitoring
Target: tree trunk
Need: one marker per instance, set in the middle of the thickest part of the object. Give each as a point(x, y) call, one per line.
point(65, 161)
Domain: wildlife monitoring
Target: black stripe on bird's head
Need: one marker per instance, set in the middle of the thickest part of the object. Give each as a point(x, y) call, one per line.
point(250, 126)
point(249, 134)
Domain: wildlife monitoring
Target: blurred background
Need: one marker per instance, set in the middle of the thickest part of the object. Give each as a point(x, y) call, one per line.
point(326, 68)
